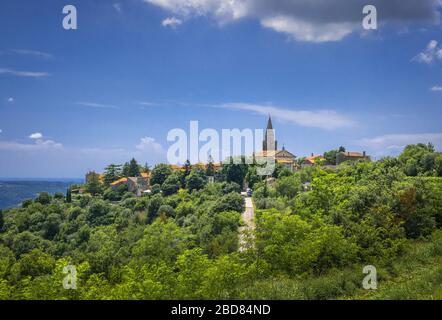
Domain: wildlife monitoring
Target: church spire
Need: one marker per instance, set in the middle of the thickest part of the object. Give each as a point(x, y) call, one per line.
point(269, 142)
point(269, 123)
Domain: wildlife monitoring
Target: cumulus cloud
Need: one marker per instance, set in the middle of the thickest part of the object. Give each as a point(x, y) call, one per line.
point(10, 99)
point(322, 119)
point(312, 20)
point(393, 143)
point(436, 88)
point(305, 31)
point(432, 52)
point(17, 73)
point(171, 22)
point(36, 135)
point(148, 144)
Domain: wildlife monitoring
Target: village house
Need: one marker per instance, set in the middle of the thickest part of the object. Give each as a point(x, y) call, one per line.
point(137, 185)
point(351, 156)
point(309, 161)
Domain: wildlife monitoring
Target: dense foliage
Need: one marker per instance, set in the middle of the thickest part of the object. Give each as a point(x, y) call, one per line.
point(315, 229)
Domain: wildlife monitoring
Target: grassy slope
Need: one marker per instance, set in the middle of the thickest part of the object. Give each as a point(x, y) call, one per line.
point(415, 275)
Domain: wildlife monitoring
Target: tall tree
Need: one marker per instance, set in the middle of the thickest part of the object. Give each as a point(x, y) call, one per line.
point(2, 220)
point(68, 195)
point(145, 168)
point(210, 169)
point(235, 172)
point(94, 185)
point(112, 173)
point(134, 168)
point(187, 168)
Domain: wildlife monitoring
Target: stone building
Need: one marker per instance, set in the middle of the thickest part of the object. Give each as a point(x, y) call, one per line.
point(351, 156)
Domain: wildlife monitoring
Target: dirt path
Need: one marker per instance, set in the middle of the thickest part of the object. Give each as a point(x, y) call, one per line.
point(246, 231)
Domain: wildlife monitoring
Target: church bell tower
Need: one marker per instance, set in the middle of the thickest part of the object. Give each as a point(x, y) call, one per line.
point(269, 143)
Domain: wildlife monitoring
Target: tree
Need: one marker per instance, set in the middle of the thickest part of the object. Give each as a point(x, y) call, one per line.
point(438, 165)
point(195, 180)
point(44, 198)
point(187, 168)
point(330, 156)
point(154, 205)
point(231, 187)
point(160, 174)
point(59, 196)
point(2, 220)
point(235, 172)
point(93, 186)
point(145, 168)
point(25, 242)
point(162, 241)
point(166, 211)
point(68, 195)
point(98, 212)
point(210, 169)
point(288, 186)
point(252, 176)
point(229, 202)
point(111, 195)
point(112, 173)
point(171, 185)
point(132, 169)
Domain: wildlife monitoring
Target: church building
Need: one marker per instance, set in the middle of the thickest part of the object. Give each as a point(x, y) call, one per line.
point(270, 149)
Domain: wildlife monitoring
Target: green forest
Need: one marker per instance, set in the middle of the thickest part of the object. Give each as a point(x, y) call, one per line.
point(316, 228)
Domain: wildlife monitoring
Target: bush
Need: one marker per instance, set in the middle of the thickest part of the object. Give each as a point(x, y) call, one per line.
point(44, 198)
point(229, 202)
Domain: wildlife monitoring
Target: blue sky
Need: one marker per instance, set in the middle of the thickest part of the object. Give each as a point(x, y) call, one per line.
point(76, 100)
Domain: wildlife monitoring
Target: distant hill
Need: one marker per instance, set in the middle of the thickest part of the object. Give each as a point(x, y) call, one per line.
point(13, 192)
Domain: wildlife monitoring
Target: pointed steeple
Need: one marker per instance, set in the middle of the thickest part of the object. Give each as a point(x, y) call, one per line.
point(269, 123)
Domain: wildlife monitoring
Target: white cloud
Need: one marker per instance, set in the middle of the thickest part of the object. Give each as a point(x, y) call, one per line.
point(33, 53)
point(322, 119)
point(431, 52)
point(17, 73)
point(10, 99)
point(48, 144)
point(36, 135)
point(311, 21)
point(306, 31)
point(38, 145)
point(97, 105)
point(436, 88)
point(150, 145)
point(1, 131)
point(171, 22)
point(222, 10)
point(393, 143)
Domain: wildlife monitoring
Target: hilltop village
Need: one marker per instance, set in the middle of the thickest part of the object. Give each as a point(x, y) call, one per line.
point(137, 179)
